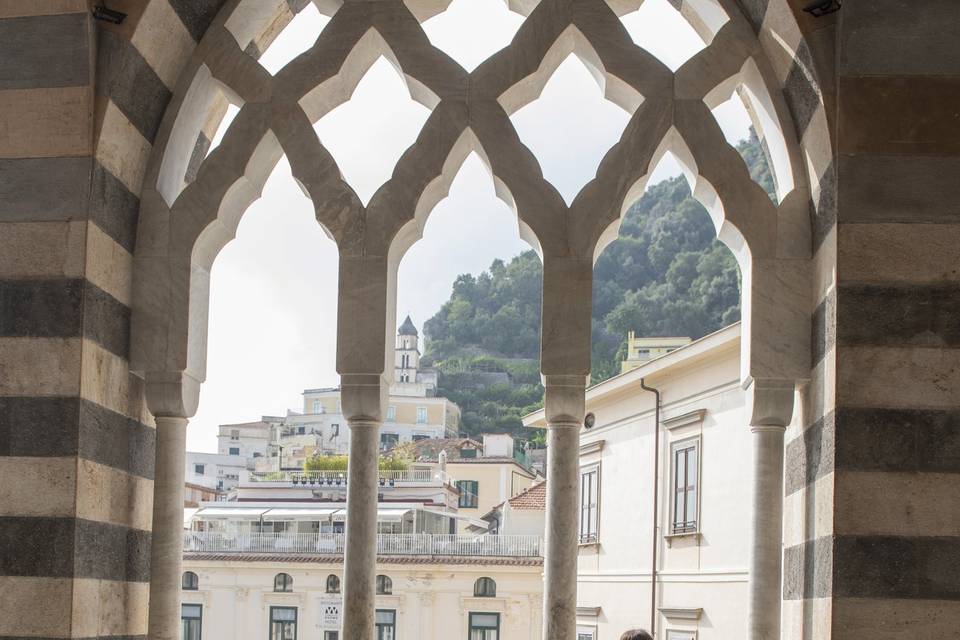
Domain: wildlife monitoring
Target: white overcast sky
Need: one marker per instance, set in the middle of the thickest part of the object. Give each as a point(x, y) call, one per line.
point(274, 288)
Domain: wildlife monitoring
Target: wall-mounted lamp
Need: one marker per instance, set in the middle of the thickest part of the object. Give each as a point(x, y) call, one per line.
point(100, 12)
point(821, 8)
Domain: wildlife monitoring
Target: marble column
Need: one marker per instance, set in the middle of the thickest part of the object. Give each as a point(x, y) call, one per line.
point(564, 402)
point(166, 552)
point(360, 559)
point(766, 534)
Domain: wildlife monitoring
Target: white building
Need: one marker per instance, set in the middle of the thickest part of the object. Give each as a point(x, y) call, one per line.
point(523, 514)
point(215, 470)
point(272, 570)
point(702, 503)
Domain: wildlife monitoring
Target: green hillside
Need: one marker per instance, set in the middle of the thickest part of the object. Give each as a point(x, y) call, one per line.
point(666, 274)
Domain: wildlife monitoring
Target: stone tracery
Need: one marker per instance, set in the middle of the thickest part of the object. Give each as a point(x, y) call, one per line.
point(185, 223)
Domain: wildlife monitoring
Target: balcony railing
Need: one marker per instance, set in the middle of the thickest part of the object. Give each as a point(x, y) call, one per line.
point(339, 478)
point(415, 544)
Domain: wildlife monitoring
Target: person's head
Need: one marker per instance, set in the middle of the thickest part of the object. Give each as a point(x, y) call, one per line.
point(636, 634)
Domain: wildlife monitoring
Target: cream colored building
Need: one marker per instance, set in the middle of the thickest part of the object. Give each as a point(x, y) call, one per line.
point(702, 502)
point(426, 598)
point(644, 349)
point(253, 565)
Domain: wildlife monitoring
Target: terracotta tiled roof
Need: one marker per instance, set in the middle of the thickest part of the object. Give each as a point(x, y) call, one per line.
point(316, 558)
point(429, 450)
point(532, 499)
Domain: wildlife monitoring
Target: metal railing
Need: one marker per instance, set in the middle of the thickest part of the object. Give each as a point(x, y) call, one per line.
point(339, 478)
point(414, 544)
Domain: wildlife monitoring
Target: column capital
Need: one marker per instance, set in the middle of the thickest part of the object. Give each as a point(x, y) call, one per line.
point(363, 397)
point(769, 402)
point(172, 394)
point(564, 400)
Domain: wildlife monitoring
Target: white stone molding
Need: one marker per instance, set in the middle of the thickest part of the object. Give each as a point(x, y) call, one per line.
point(681, 613)
point(684, 420)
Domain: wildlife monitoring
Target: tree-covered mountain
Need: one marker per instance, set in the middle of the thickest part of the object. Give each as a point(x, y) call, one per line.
point(666, 274)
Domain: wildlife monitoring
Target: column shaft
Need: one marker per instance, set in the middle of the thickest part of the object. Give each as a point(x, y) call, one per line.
point(166, 551)
point(563, 488)
point(766, 534)
point(360, 559)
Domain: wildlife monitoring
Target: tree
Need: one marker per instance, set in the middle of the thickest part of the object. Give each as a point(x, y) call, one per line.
point(666, 274)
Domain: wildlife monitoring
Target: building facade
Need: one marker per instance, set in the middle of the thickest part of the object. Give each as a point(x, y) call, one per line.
point(220, 471)
point(269, 565)
point(643, 349)
point(700, 507)
point(239, 597)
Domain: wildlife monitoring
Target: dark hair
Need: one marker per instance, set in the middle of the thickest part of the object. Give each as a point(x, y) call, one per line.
point(636, 634)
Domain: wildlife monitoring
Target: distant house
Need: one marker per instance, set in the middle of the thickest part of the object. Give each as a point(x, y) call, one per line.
point(523, 514)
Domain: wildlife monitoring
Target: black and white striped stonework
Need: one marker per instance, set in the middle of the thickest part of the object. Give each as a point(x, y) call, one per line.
point(873, 520)
point(80, 104)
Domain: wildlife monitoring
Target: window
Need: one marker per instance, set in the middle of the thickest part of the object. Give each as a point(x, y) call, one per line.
point(419, 436)
point(589, 504)
point(336, 428)
point(389, 440)
point(234, 451)
point(235, 434)
point(586, 633)
point(331, 635)
point(685, 461)
point(283, 583)
point(484, 626)
point(283, 622)
point(333, 584)
point(189, 581)
point(469, 491)
point(391, 413)
point(199, 469)
point(468, 453)
point(317, 406)
point(485, 588)
point(384, 585)
point(421, 415)
point(386, 622)
point(681, 635)
point(191, 621)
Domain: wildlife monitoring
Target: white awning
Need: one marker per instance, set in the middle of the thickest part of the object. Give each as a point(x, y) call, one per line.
point(188, 513)
point(392, 515)
point(383, 515)
point(470, 520)
point(304, 513)
point(227, 513)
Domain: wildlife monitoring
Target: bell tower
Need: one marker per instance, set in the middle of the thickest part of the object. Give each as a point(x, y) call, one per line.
point(407, 353)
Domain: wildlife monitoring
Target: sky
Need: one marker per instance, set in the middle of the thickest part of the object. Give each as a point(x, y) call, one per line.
point(273, 299)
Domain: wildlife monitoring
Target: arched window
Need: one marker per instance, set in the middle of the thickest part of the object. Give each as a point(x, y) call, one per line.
point(384, 585)
point(283, 583)
point(190, 581)
point(485, 588)
point(333, 584)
